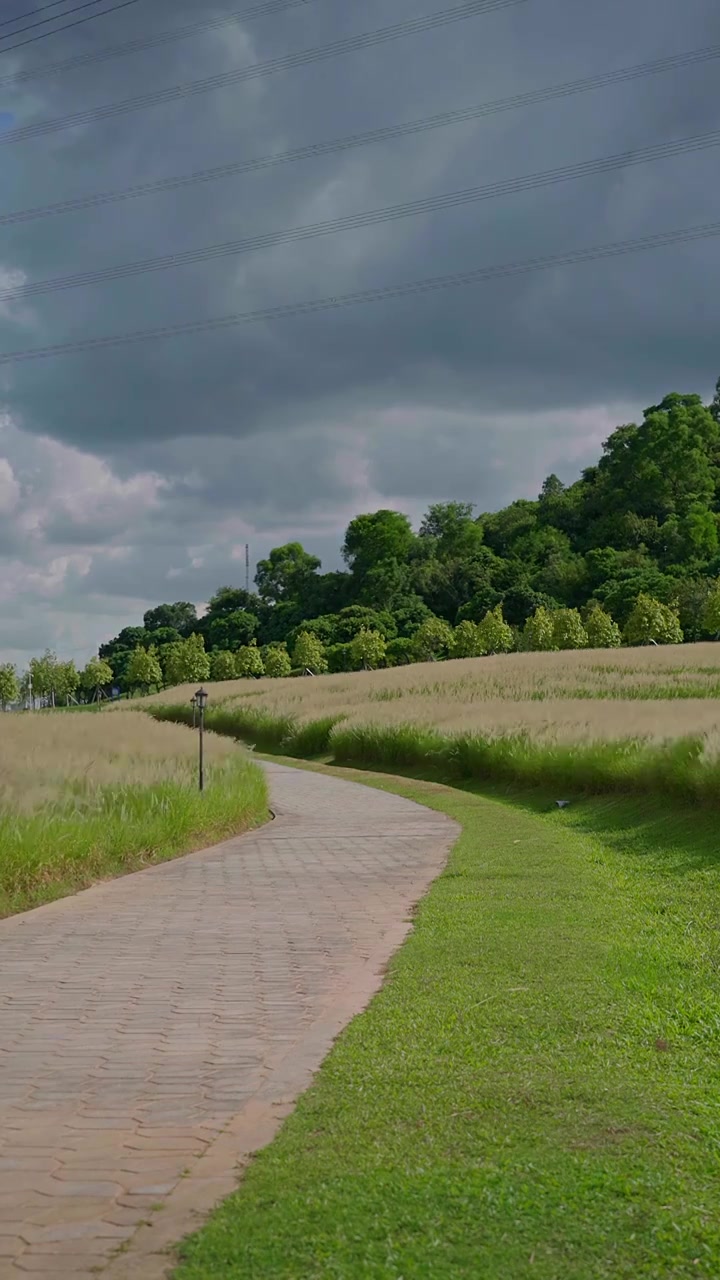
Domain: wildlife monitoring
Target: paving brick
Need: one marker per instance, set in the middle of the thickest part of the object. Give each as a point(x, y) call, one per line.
point(143, 1016)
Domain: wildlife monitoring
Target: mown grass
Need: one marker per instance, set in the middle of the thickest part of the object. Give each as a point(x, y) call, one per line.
point(84, 800)
point(535, 1091)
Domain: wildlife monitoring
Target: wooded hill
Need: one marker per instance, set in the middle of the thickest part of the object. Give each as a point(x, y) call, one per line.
point(643, 522)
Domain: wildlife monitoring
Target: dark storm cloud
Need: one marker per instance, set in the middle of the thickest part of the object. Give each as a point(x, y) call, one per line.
point(473, 393)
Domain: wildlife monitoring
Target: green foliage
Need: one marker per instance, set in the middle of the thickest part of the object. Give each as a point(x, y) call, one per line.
point(432, 640)
point(568, 630)
point(711, 612)
point(144, 670)
point(339, 657)
point(186, 661)
point(367, 650)
point(309, 654)
point(228, 630)
point(602, 631)
point(286, 574)
point(466, 641)
point(494, 633)
point(42, 674)
point(249, 663)
point(644, 521)
point(651, 621)
point(9, 685)
point(453, 529)
point(222, 665)
point(277, 661)
point(539, 631)
point(180, 617)
point(96, 675)
point(399, 652)
point(379, 536)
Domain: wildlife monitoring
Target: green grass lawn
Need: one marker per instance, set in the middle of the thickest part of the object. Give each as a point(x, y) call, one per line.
point(536, 1090)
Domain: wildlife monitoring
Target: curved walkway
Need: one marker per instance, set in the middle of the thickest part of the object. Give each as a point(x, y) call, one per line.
point(154, 1030)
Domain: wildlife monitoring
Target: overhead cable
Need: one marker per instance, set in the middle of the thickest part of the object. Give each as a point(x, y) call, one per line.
point(367, 218)
point(222, 80)
point(430, 284)
point(387, 133)
point(149, 42)
point(79, 22)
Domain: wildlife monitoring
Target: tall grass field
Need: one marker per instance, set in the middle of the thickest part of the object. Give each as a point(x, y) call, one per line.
point(87, 797)
point(631, 721)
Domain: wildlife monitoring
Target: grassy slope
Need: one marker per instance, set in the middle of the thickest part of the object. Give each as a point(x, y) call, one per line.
point(117, 829)
point(534, 1093)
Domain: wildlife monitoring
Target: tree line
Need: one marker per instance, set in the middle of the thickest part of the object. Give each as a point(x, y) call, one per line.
point(628, 553)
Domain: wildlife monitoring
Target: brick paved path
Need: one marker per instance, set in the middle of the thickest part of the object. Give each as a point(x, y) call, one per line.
point(155, 1029)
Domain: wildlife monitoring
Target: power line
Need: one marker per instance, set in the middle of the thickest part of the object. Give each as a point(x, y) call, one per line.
point(430, 284)
point(367, 218)
point(30, 13)
point(149, 42)
point(56, 30)
point(388, 133)
point(366, 40)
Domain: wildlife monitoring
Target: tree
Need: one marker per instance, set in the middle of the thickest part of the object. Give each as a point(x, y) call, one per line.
point(432, 640)
point(602, 631)
point(309, 654)
point(42, 675)
point(711, 613)
point(380, 535)
point(454, 530)
point(9, 685)
point(197, 661)
point(350, 621)
point(186, 661)
point(715, 406)
point(144, 670)
point(95, 676)
point(651, 621)
point(64, 681)
point(367, 649)
point(228, 630)
point(466, 641)
point(248, 662)
point(400, 652)
point(277, 661)
point(287, 573)
point(222, 665)
point(568, 630)
point(539, 634)
point(494, 633)
point(180, 617)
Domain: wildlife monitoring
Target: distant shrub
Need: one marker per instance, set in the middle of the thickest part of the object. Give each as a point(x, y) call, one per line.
point(650, 620)
point(277, 661)
point(539, 632)
point(568, 630)
point(494, 633)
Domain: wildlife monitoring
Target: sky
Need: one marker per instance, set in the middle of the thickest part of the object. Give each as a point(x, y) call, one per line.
point(136, 474)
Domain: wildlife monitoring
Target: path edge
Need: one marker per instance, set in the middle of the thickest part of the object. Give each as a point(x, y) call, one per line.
point(151, 1254)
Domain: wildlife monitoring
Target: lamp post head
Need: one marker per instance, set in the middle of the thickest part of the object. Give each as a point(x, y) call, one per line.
point(193, 700)
point(201, 698)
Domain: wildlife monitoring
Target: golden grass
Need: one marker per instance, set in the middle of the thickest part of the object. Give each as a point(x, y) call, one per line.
point(657, 694)
point(43, 755)
point(87, 796)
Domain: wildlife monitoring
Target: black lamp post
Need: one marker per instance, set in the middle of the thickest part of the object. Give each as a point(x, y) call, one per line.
point(200, 701)
point(193, 704)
